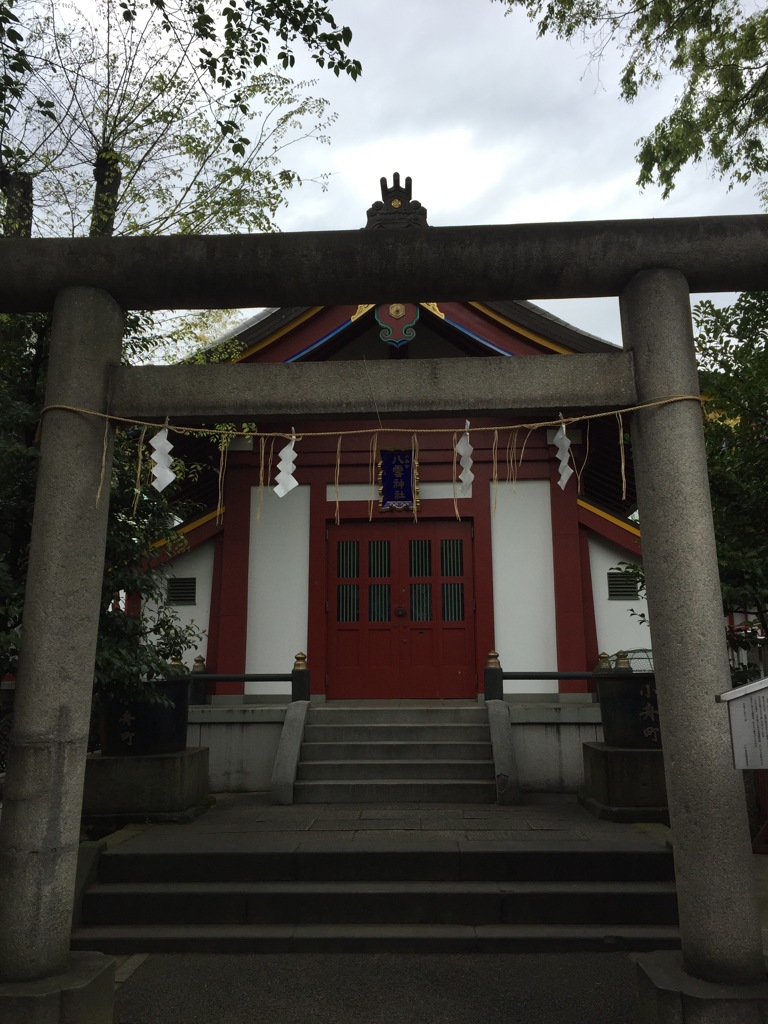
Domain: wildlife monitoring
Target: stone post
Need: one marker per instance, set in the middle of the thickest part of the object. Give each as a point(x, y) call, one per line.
point(719, 925)
point(40, 825)
point(493, 678)
point(300, 688)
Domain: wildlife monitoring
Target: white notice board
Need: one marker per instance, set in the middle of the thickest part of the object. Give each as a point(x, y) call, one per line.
point(748, 718)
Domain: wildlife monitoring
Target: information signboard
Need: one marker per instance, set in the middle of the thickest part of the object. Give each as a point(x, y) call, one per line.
point(748, 719)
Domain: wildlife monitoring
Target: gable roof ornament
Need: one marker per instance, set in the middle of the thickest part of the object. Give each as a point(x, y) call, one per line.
point(397, 209)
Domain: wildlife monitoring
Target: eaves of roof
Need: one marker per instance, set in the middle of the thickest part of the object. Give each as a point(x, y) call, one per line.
point(526, 314)
point(534, 318)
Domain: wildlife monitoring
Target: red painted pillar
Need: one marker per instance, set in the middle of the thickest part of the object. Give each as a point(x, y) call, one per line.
point(569, 593)
point(588, 597)
point(232, 585)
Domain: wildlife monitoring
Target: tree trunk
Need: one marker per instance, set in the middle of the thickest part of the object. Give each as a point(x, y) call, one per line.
point(107, 174)
point(16, 187)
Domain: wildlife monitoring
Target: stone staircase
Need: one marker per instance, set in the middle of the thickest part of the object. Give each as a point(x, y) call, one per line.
point(440, 897)
point(396, 754)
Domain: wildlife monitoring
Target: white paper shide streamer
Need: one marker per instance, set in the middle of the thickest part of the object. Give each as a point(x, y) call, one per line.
point(464, 451)
point(563, 445)
point(162, 474)
point(285, 481)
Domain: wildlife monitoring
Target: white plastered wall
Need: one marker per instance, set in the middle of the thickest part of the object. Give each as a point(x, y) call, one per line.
point(617, 628)
point(523, 582)
point(278, 585)
point(197, 564)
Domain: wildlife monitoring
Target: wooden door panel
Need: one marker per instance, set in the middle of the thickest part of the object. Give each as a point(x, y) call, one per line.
point(400, 611)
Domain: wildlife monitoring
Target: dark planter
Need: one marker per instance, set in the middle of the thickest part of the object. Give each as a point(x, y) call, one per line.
point(141, 727)
point(630, 712)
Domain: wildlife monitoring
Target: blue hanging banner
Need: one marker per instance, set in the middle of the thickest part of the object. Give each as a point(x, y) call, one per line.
point(398, 481)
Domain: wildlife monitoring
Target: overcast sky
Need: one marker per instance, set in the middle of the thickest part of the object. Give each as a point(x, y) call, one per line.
point(493, 125)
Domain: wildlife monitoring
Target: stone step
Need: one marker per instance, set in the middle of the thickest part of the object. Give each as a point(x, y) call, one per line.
point(404, 903)
point(326, 861)
point(384, 791)
point(408, 733)
point(495, 938)
point(393, 749)
point(315, 771)
point(398, 715)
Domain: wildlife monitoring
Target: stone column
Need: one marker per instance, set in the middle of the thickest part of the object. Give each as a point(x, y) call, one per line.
point(719, 923)
point(40, 825)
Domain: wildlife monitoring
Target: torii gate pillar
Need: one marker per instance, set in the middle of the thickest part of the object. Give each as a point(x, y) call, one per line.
point(39, 833)
point(719, 923)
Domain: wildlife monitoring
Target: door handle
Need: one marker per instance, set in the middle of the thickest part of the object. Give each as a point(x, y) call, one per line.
point(399, 611)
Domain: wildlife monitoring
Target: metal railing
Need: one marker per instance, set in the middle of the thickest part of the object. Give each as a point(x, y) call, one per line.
point(298, 677)
point(494, 676)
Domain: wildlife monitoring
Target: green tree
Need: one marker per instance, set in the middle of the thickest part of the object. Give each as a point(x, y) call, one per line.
point(733, 351)
point(118, 103)
point(717, 50)
point(115, 131)
point(732, 348)
point(225, 39)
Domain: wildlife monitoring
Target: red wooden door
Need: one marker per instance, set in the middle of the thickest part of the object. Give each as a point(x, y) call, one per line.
point(401, 611)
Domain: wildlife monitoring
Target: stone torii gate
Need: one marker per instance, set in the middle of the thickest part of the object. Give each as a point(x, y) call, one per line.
point(651, 265)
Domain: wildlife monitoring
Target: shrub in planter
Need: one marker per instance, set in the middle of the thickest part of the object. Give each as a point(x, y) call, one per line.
point(133, 713)
point(139, 708)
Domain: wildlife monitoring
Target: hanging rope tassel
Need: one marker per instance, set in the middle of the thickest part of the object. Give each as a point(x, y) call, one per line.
point(372, 449)
point(580, 470)
point(104, 447)
point(337, 515)
point(495, 474)
point(137, 486)
point(453, 478)
point(510, 453)
point(223, 449)
point(415, 476)
point(620, 421)
point(262, 453)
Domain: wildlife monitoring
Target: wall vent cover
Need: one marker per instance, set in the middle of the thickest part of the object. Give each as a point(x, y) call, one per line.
point(622, 587)
point(182, 590)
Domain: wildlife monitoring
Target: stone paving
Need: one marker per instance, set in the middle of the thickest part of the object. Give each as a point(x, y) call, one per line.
point(241, 820)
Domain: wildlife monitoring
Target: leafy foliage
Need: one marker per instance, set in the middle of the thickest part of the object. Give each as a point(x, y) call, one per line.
point(118, 125)
point(716, 49)
point(134, 649)
point(234, 36)
point(224, 41)
point(733, 351)
point(732, 346)
point(131, 648)
point(119, 102)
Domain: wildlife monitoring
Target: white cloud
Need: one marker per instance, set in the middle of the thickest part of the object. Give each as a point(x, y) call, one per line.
point(492, 124)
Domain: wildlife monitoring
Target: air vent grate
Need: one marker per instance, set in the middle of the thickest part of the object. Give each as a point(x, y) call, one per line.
point(182, 590)
point(622, 587)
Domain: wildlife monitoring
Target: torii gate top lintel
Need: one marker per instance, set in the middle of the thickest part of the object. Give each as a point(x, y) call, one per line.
point(510, 261)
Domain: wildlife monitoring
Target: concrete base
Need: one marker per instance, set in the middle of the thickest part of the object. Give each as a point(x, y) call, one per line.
point(159, 787)
point(624, 784)
point(84, 995)
point(670, 996)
